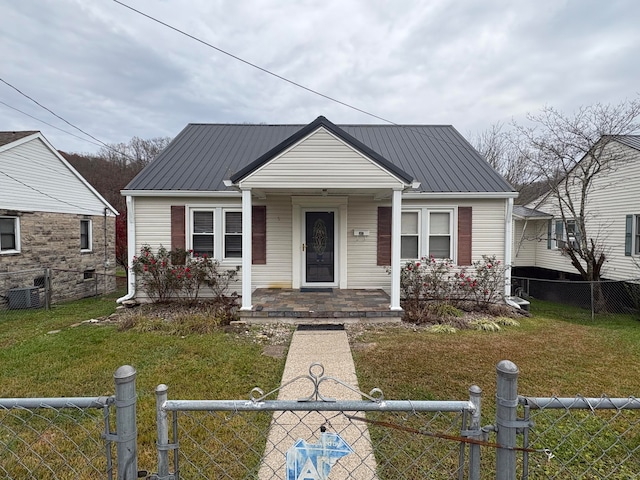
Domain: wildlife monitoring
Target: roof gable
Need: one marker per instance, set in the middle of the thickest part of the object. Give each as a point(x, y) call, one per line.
point(305, 132)
point(37, 178)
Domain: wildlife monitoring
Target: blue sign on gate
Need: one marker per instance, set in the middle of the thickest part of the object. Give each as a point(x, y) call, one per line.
point(313, 461)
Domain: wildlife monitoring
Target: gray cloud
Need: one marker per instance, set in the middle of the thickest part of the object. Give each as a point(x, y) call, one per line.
point(116, 74)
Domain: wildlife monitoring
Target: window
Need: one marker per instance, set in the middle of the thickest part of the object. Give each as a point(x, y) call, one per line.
point(409, 235)
point(569, 237)
point(203, 233)
point(434, 239)
point(85, 235)
point(232, 234)
point(440, 234)
point(9, 235)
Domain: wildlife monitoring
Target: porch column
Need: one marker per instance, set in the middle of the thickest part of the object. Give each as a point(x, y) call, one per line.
point(396, 218)
point(246, 250)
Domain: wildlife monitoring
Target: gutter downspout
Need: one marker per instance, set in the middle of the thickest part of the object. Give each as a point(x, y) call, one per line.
point(508, 245)
point(131, 250)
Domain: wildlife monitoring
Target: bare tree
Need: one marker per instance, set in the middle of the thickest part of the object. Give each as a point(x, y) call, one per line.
point(499, 146)
point(110, 170)
point(137, 153)
point(569, 152)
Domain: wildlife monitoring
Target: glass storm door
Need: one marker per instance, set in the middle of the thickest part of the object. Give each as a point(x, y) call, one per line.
point(319, 251)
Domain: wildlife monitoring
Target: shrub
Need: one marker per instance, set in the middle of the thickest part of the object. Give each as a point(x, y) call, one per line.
point(437, 281)
point(174, 274)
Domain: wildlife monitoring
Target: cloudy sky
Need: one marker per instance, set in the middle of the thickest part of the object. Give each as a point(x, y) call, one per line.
point(116, 74)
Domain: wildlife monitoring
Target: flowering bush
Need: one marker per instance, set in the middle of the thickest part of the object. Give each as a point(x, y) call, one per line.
point(178, 273)
point(438, 281)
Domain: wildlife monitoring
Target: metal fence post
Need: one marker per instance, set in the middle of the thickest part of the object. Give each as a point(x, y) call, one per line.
point(506, 416)
point(593, 303)
point(126, 431)
point(163, 431)
point(47, 288)
point(475, 394)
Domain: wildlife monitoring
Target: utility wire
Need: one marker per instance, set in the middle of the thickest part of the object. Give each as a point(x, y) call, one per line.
point(108, 147)
point(284, 79)
point(50, 124)
point(52, 112)
point(262, 69)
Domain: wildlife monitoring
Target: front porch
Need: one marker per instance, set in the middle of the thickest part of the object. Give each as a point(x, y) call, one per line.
point(327, 305)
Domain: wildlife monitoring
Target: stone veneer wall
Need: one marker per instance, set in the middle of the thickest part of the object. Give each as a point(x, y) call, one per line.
point(52, 240)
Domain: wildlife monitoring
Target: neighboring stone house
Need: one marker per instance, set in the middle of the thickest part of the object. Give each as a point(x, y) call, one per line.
point(50, 217)
point(320, 205)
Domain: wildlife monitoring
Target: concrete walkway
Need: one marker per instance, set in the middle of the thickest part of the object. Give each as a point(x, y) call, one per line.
point(331, 349)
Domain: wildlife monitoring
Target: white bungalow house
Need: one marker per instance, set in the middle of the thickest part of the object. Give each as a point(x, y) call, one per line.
point(320, 205)
point(51, 217)
point(612, 220)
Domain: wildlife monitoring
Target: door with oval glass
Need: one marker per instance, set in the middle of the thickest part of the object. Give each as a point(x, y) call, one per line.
point(319, 248)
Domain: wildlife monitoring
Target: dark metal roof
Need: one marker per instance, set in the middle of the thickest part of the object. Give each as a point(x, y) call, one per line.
point(525, 212)
point(9, 137)
point(202, 156)
point(632, 141)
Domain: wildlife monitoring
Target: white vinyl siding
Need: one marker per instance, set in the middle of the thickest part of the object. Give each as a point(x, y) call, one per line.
point(277, 273)
point(321, 161)
point(609, 201)
point(86, 236)
point(9, 235)
point(37, 180)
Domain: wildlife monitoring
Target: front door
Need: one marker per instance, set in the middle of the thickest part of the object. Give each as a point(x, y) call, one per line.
point(319, 250)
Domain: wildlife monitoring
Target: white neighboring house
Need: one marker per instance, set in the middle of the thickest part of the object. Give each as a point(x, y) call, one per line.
point(51, 217)
point(320, 205)
point(613, 220)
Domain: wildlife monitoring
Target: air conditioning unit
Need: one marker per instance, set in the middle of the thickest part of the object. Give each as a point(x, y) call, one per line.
point(28, 297)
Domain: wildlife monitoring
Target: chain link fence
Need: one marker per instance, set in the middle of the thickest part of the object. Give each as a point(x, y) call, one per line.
point(55, 438)
point(601, 297)
point(589, 437)
point(376, 438)
point(41, 288)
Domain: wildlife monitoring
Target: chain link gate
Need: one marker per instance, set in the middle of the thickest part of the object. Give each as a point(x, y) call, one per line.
point(274, 439)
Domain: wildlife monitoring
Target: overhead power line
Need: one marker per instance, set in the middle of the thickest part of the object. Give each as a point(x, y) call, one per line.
point(262, 69)
point(52, 112)
point(292, 82)
point(49, 124)
point(105, 145)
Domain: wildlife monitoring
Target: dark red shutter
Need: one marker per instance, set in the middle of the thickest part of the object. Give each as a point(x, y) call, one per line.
point(384, 236)
point(464, 235)
point(177, 227)
point(259, 235)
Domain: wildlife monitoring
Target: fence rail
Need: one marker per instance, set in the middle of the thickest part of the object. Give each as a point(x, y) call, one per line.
point(376, 438)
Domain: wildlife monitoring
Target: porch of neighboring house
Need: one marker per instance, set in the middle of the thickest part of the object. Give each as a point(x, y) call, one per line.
point(326, 305)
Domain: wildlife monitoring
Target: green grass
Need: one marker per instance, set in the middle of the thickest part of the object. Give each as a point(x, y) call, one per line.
point(559, 351)
point(81, 360)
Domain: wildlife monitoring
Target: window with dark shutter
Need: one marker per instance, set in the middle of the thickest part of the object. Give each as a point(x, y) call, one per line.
point(465, 223)
point(259, 235)
point(177, 227)
point(384, 236)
